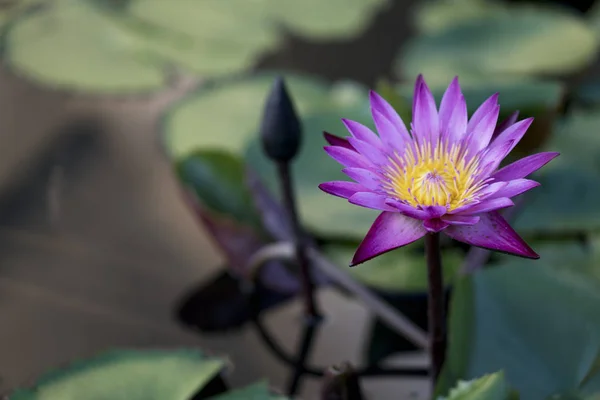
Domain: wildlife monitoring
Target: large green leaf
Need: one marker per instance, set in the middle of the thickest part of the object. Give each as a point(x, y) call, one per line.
point(399, 271)
point(519, 41)
point(567, 202)
point(125, 45)
point(128, 375)
point(72, 44)
point(489, 387)
point(537, 321)
point(218, 180)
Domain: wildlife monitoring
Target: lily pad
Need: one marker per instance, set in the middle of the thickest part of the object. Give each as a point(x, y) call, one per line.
point(488, 387)
point(399, 271)
point(538, 321)
point(128, 375)
point(74, 45)
point(126, 46)
point(524, 40)
point(567, 202)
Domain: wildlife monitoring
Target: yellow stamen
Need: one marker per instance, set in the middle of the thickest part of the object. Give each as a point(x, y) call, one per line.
point(427, 175)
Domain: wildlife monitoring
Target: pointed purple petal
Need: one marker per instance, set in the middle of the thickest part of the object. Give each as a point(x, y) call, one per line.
point(371, 200)
point(365, 177)
point(435, 211)
point(363, 133)
point(460, 219)
point(481, 134)
point(483, 110)
point(389, 231)
point(490, 189)
point(337, 141)
point(370, 152)
point(425, 117)
point(494, 233)
point(449, 102)
point(457, 126)
point(408, 210)
point(342, 188)
point(509, 121)
point(492, 157)
point(525, 166)
point(484, 206)
point(513, 133)
point(515, 188)
point(348, 158)
point(435, 225)
point(453, 113)
point(390, 126)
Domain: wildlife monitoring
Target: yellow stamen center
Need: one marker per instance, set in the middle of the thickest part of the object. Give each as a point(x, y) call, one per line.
point(429, 175)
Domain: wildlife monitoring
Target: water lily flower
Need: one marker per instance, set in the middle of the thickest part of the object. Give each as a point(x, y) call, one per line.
point(442, 176)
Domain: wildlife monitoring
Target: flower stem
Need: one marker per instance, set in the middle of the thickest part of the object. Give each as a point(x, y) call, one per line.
point(308, 287)
point(435, 301)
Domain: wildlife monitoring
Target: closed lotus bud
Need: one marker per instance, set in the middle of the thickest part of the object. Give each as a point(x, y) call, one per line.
point(280, 128)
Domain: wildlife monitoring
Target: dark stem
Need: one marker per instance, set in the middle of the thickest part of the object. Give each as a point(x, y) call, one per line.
point(309, 328)
point(435, 300)
point(308, 287)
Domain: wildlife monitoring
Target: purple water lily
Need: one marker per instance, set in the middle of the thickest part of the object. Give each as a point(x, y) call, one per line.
point(442, 176)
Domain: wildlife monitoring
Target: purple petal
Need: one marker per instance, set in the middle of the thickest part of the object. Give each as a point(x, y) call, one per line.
point(492, 157)
point(525, 166)
point(408, 210)
point(509, 121)
point(363, 133)
point(492, 232)
point(389, 231)
point(460, 219)
point(491, 189)
point(484, 109)
point(337, 141)
point(515, 188)
point(425, 117)
point(390, 126)
point(365, 177)
point(481, 134)
point(342, 188)
point(513, 133)
point(450, 101)
point(348, 158)
point(457, 126)
point(370, 152)
point(484, 206)
point(435, 225)
point(371, 200)
point(435, 211)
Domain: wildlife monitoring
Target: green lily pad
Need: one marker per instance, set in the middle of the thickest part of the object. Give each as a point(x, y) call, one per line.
point(567, 202)
point(437, 15)
point(399, 271)
point(522, 41)
point(318, 19)
point(218, 180)
point(488, 387)
point(538, 321)
point(126, 46)
point(257, 391)
point(128, 375)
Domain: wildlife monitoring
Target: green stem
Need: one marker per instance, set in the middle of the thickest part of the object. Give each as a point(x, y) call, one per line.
point(435, 304)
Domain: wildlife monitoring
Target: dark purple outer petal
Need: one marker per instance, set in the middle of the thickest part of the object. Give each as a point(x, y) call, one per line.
point(371, 200)
point(389, 231)
point(342, 189)
point(435, 225)
point(525, 166)
point(337, 141)
point(494, 233)
point(502, 126)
